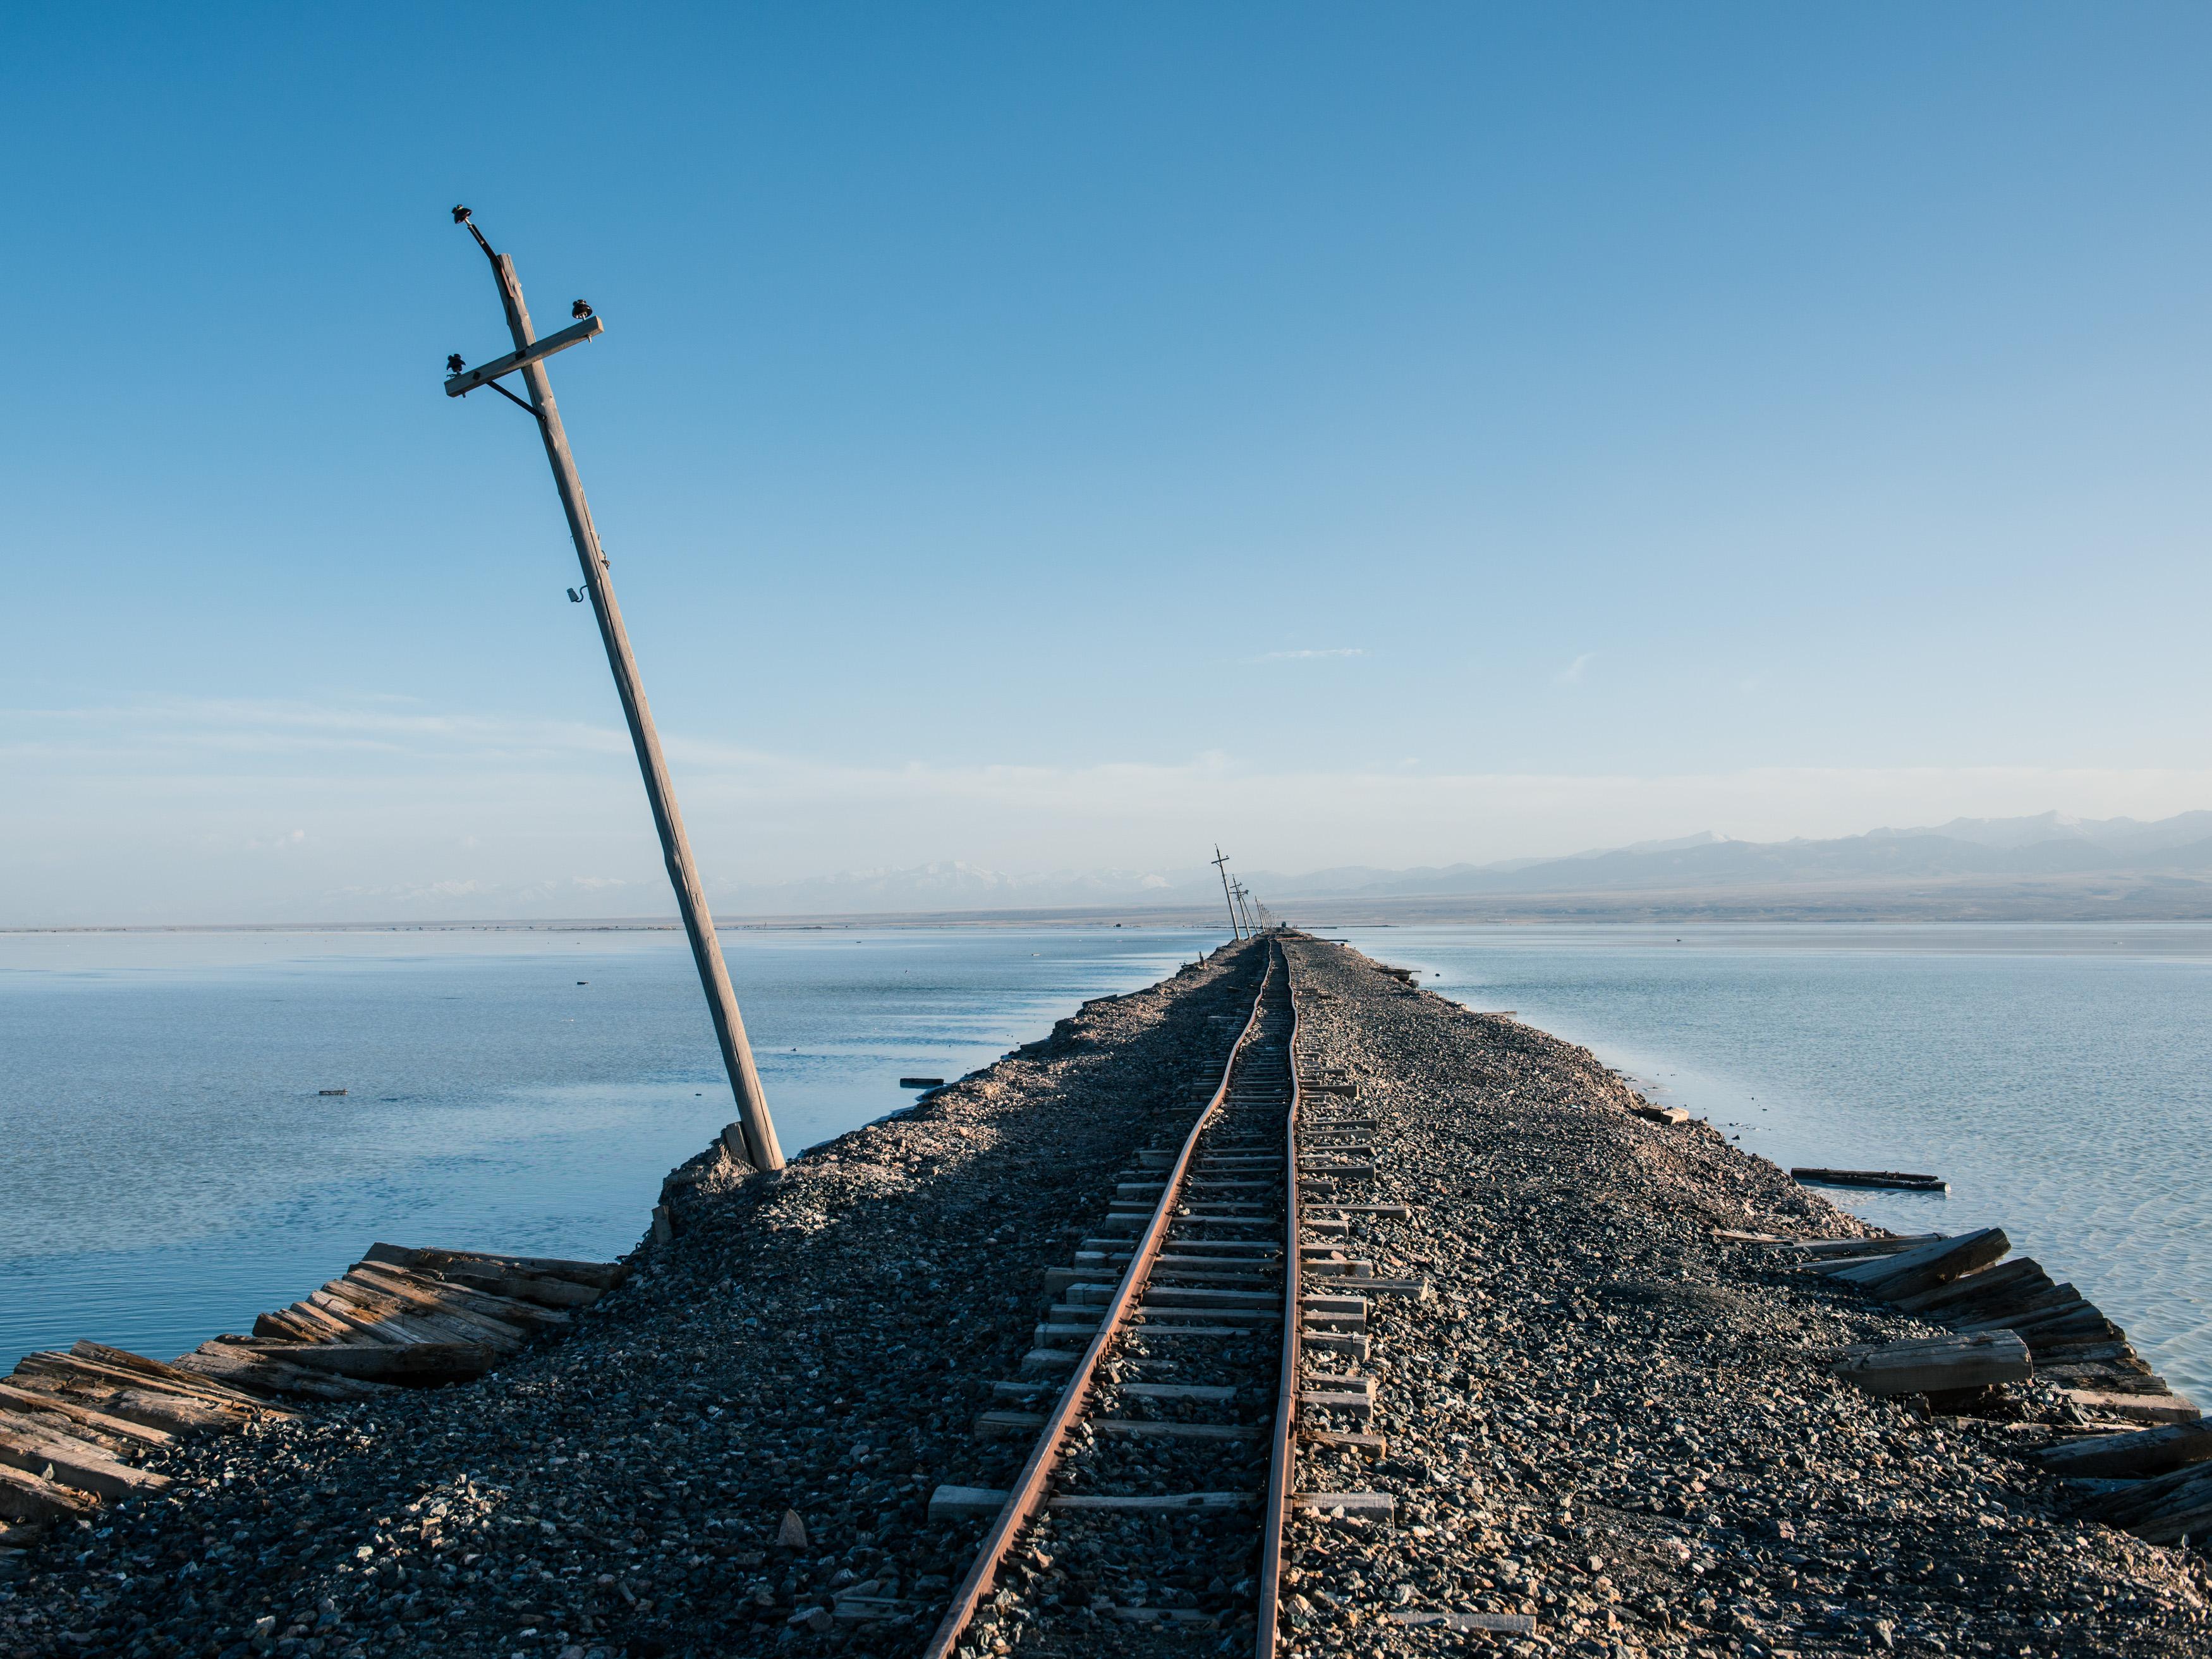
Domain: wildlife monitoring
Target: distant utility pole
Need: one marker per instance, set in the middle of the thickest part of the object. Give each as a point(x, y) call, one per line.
point(1221, 863)
point(1242, 894)
point(529, 357)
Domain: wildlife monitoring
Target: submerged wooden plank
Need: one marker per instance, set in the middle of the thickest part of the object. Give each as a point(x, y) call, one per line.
point(1899, 1178)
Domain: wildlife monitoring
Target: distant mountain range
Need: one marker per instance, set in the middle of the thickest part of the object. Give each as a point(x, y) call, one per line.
point(2007, 851)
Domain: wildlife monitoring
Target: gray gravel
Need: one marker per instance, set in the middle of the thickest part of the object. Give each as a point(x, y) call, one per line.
point(819, 1344)
point(1602, 1418)
point(1607, 1420)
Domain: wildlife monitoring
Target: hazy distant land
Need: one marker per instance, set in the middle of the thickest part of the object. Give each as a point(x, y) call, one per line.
point(2048, 868)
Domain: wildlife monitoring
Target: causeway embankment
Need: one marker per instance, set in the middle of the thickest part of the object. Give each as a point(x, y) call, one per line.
point(1603, 1416)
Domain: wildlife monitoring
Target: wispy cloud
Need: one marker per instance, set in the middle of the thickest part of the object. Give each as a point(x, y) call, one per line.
point(1308, 656)
point(1572, 673)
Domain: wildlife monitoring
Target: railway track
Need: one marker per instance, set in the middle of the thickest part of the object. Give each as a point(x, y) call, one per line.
point(1165, 1394)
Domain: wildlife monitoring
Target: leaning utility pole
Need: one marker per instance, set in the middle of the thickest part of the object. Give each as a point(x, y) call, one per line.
point(1221, 863)
point(1243, 893)
point(761, 1151)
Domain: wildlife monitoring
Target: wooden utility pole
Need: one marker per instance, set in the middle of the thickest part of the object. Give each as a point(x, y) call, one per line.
point(1221, 863)
point(761, 1151)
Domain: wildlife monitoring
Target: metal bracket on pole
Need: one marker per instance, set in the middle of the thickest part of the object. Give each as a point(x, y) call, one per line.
point(459, 385)
point(530, 409)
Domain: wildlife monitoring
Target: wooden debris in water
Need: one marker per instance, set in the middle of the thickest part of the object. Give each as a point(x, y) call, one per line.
point(1898, 1178)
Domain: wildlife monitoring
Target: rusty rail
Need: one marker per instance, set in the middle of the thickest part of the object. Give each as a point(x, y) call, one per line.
point(1023, 1502)
point(1282, 1461)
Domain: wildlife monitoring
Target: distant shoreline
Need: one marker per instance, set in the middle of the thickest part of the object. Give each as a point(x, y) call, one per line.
point(1560, 910)
point(1990, 902)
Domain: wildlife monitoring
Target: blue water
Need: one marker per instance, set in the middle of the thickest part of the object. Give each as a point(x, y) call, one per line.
point(2060, 1077)
point(168, 1169)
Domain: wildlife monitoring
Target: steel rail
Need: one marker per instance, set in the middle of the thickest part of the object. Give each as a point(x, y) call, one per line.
point(1282, 1461)
point(1022, 1502)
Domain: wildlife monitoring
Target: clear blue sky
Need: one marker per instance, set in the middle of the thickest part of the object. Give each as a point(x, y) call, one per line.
point(1057, 436)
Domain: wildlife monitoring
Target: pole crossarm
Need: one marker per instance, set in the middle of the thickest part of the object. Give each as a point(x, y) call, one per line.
point(468, 380)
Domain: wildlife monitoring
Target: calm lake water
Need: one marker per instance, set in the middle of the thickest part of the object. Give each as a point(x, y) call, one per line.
point(169, 1169)
point(2060, 1078)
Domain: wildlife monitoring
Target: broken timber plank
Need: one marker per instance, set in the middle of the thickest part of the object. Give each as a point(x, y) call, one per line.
point(16, 1399)
point(28, 1497)
point(155, 1373)
point(171, 1414)
point(2021, 1276)
point(419, 1361)
point(1367, 1505)
point(2139, 1407)
point(1940, 1364)
point(1923, 1269)
point(1502, 1623)
point(2143, 1452)
point(506, 1310)
point(527, 1279)
point(73, 1463)
point(2160, 1510)
point(232, 1362)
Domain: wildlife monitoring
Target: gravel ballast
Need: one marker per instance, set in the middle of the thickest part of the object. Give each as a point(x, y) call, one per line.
point(1606, 1419)
point(1601, 1417)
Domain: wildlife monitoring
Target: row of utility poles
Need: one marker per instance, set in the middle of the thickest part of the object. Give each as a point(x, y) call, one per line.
point(1243, 909)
